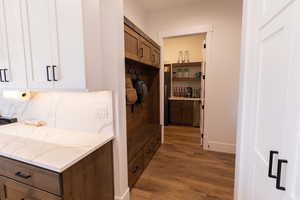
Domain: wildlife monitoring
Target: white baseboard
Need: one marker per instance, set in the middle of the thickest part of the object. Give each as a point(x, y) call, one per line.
point(220, 147)
point(125, 196)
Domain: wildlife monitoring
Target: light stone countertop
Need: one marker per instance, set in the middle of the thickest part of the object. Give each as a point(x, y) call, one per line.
point(49, 148)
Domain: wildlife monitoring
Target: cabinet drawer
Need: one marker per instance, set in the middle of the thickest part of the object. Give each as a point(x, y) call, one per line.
point(30, 175)
point(12, 190)
point(136, 168)
point(149, 151)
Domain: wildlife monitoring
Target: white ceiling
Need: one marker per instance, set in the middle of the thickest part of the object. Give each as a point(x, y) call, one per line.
point(157, 5)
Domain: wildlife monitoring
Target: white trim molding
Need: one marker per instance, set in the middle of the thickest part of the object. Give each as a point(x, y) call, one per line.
point(208, 29)
point(125, 196)
point(220, 147)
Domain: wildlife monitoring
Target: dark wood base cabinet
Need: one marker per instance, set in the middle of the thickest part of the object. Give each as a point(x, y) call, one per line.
point(143, 157)
point(185, 113)
point(142, 59)
point(89, 179)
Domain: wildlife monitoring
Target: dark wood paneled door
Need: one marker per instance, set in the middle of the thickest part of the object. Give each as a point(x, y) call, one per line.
point(11, 190)
point(132, 44)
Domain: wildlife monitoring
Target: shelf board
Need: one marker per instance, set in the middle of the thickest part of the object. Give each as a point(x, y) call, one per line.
point(192, 64)
point(186, 79)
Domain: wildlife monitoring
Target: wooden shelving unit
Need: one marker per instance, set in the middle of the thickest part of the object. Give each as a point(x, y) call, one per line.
point(192, 64)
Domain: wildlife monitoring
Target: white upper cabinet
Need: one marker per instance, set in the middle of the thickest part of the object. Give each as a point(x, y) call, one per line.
point(51, 44)
point(12, 60)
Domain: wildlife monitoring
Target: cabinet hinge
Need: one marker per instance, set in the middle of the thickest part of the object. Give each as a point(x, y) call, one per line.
point(204, 77)
point(203, 107)
point(202, 135)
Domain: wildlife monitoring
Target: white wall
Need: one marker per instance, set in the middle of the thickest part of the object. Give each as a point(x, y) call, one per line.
point(191, 43)
point(135, 11)
point(223, 71)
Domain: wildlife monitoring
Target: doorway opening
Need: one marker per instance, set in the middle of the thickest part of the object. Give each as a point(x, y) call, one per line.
point(185, 57)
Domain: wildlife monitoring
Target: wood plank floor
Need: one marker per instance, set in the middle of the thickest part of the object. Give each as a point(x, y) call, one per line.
point(181, 170)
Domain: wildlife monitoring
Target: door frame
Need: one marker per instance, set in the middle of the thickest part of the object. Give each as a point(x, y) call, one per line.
point(208, 29)
point(242, 173)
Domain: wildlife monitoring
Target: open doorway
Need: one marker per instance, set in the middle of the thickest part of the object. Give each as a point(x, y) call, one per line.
point(184, 84)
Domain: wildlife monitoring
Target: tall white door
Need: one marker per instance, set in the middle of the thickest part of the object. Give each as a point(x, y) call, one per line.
point(40, 30)
point(12, 58)
point(274, 116)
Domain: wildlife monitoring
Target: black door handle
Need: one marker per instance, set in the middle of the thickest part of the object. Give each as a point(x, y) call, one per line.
point(271, 162)
point(1, 79)
point(48, 76)
point(21, 175)
point(279, 172)
point(54, 72)
point(5, 77)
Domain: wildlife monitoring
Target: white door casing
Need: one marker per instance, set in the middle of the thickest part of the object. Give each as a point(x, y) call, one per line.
point(270, 104)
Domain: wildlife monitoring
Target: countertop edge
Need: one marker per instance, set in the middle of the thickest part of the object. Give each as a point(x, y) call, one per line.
point(109, 138)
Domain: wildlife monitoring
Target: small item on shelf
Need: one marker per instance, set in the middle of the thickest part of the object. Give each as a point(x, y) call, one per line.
point(180, 57)
point(179, 73)
point(187, 56)
point(186, 73)
point(175, 74)
point(4, 120)
point(34, 122)
point(190, 92)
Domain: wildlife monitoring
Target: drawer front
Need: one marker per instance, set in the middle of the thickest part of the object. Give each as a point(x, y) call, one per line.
point(30, 175)
point(135, 169)
point(149, 151)
point(12, 190)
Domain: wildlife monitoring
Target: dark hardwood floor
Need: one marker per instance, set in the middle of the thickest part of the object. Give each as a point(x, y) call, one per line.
point(181, 170)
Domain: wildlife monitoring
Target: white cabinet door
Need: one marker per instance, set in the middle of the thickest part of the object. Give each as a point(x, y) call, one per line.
point(12, 59)
point(40, 30)
point(273, 119)
point(70, 70)
point(55, 49)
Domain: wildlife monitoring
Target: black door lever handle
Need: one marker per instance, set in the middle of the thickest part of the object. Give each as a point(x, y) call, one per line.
point(279, 172)
point(5, 76)
point(1, 79)
point(271, 163)
point(48, 76)
point(54, 72)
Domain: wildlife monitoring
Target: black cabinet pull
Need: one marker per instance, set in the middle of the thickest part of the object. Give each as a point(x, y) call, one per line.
point(271, 162)
point(1, 79)
point(19, 174)
point(5, 76)
point(54, 72)
point(48, 76)
point(142, 52)
point(279, 172)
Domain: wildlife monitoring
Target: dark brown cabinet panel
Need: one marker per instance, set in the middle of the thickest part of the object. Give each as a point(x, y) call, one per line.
point(187, 112)
point(143, 120)
point(146, 52)
point(139, 47)
point(176, 112)
point(12, 190)
point(184, 112)
point(132, 44)
point(156, 57)
point(90, 178)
